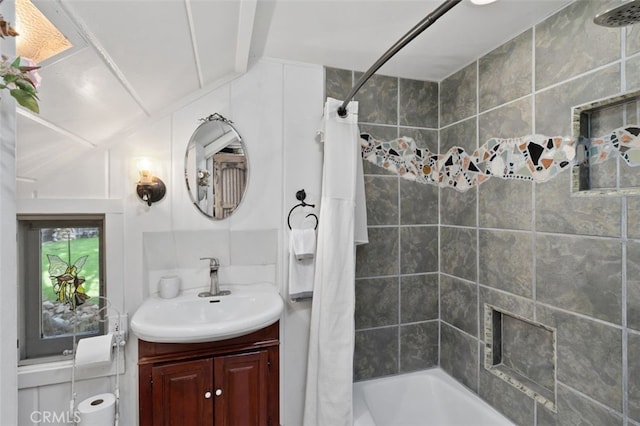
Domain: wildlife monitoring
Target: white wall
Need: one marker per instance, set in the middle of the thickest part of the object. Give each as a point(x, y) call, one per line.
point(8, 312)
point(276, 107)
point(302, 170)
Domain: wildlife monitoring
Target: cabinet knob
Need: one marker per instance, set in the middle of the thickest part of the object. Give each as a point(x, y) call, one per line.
point(218, 392)
point(207, 395)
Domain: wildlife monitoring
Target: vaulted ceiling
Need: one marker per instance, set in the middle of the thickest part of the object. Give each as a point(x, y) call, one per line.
point(135, 60)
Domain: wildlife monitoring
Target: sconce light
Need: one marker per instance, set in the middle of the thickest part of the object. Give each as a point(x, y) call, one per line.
point(149, 188)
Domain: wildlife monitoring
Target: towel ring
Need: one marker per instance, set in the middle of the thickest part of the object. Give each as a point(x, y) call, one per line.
point(310, 214)
point(301, 195)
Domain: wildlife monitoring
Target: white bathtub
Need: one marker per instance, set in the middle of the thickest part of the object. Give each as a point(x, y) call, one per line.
point(424, 398)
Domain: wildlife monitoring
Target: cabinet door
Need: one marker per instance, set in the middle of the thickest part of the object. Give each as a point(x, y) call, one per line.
point(241, 389)
point(182, 393)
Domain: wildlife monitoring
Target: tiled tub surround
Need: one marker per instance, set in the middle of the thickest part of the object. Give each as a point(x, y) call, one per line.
point(569, 263)
point(397, 309)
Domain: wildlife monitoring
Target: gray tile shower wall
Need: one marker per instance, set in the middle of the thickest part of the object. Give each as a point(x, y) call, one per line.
point(458, 95)
point(633, 78)
point(633, 372)
point(569, 43)
point(633, 40)
point(507, 67)
point(571, 263)
point(436, 256)
point(397, 298)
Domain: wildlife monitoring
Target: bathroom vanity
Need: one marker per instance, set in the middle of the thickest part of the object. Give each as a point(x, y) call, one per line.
point(220, 383)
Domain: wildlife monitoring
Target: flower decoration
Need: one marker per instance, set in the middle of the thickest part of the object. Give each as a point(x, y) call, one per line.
point(203, 177)
point(67, 285)
point(21, 80)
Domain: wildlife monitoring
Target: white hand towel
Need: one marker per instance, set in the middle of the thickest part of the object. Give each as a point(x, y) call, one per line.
point(304, 243)
point(301, 272)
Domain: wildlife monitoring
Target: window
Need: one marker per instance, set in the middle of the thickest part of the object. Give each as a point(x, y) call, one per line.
point(61, 276)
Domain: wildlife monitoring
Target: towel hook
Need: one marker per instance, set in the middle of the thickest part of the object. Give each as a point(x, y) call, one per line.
point(300, 196)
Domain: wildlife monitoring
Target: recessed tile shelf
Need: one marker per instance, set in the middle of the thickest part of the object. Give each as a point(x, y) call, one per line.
point(606, 165)
point(522, 353)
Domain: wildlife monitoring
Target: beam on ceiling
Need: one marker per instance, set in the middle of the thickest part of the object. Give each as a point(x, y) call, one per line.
point(246, 20)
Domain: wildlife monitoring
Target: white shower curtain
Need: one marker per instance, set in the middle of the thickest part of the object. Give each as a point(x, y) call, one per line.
point(342, 224)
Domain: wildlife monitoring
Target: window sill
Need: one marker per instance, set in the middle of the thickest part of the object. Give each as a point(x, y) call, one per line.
point(50, 373)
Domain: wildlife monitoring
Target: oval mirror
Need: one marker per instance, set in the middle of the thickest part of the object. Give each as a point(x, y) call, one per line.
point(216, 167)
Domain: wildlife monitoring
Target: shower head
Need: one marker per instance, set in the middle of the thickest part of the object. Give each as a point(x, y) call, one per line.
point(620, 16)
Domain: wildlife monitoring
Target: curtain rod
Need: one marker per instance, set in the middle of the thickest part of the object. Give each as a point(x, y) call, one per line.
point(413, 33)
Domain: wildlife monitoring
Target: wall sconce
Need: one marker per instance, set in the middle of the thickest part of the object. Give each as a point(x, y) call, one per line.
point(149, 188)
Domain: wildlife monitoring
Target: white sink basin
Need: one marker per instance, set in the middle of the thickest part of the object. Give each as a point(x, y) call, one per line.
point(189, 318)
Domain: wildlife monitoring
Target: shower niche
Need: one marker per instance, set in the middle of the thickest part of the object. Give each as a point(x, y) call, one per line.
point(522, 353)
point(607, 151)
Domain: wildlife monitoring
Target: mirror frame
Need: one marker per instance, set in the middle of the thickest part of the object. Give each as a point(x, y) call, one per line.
point(215, 117)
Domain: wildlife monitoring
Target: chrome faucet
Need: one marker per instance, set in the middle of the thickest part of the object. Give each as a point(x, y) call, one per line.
point(214, 286)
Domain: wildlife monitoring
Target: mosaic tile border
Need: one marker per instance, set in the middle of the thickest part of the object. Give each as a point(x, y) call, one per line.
point(502, 374)
point(535, 158)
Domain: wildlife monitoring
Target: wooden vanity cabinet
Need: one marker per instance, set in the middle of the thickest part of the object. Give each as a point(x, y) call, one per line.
point(177, 391)
point(233, 382)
